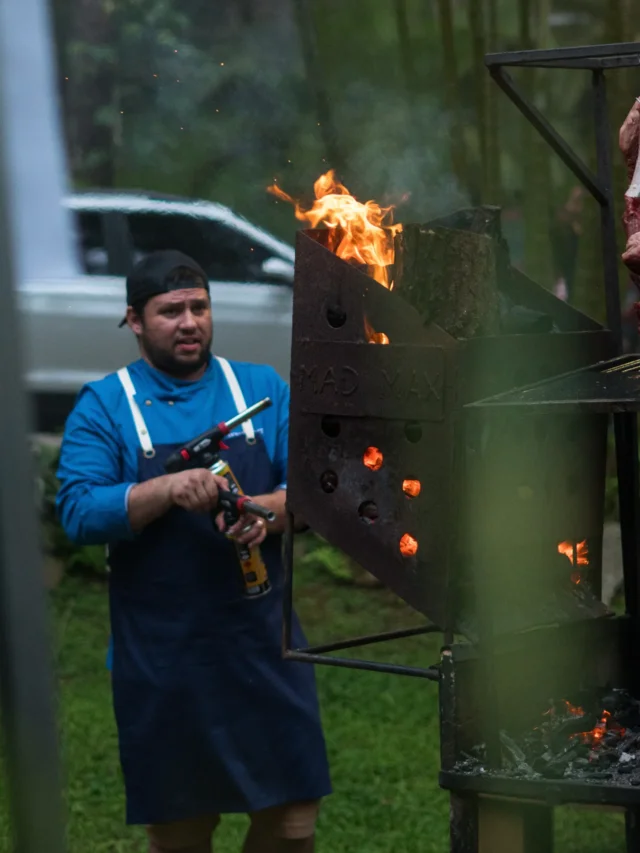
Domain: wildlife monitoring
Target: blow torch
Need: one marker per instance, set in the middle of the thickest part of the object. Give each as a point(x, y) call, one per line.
point(204, 452)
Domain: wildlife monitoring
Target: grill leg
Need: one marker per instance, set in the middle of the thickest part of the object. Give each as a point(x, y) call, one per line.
point(463, 823)
point(514, 826)
point(632, 818)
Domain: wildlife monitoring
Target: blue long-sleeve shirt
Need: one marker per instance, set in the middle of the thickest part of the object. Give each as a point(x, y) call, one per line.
point(98, 460)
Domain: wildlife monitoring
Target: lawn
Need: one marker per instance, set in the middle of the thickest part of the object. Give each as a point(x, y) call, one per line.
point(382, 732)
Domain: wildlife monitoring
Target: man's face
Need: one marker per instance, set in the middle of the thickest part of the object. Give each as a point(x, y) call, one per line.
point(175, 330)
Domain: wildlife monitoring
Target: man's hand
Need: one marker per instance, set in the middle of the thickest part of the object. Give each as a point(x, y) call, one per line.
point(196, 489)
point(249, 530)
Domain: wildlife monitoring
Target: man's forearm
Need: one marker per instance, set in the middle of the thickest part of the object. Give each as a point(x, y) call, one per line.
point(148, 501)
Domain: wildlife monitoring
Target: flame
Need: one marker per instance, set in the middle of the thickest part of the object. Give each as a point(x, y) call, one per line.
point(374, 337)
point(574, 710)
point(582, 552)
point(408, 545)
point(411, 488)
point(373, 458)
point(359, 231)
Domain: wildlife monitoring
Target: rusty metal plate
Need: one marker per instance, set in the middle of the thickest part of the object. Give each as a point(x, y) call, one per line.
point(364, 380)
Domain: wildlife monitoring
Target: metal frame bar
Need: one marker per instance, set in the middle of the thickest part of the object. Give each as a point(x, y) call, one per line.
point(595, 58)
point(586, 53)
point(26, 680)
point(319, 654)
point(549, 134)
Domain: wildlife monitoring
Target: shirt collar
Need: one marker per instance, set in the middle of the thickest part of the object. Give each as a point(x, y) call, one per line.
point(163, 386)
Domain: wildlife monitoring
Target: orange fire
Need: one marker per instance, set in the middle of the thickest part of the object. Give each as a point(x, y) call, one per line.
point(362, 232)
point(582, 557)
point(373, 458)
point(574, 710)
point(408, 545)
point(374, 337)
point(601, 728)
point(411, 488)
point(582, 552)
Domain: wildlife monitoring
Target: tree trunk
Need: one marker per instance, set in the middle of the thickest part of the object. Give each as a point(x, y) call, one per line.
point(536, 159)
point(478, 42)
point(493, 193)
point(90, 87)
point(459, 159)
point(449, 276)
point(404, 43)
point(315, 81)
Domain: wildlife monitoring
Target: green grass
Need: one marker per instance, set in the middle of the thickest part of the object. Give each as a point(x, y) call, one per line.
point(382, 732)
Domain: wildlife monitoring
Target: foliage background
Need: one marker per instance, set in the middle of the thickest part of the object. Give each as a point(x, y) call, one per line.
point(217, 98)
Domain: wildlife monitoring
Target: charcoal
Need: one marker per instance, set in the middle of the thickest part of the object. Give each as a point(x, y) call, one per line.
point(573, 726)
point(629, 742)
point(515, 754)
point(602, 775)
point(555, 771)
point(559, 747)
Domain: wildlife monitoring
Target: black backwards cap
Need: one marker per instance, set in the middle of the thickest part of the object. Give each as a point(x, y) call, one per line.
point(152, 275)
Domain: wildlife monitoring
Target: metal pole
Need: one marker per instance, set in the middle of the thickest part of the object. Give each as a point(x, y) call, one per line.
point(26, 683)
point(626, 423)
point(610, 257)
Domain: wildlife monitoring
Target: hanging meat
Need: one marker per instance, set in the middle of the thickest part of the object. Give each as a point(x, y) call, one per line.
point(630, 145)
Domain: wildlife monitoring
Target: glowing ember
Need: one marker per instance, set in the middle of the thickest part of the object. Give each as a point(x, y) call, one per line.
point(604, 725)
point(408, 545)
point(373, 458)
point(374, 337)
point(361, 232)
point(411, 488)
point(574, 710)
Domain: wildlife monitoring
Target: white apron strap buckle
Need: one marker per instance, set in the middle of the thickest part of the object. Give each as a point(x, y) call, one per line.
point(141, 428)
point(238, 398)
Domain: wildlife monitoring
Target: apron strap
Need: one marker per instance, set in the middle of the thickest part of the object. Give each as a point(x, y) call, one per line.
point(238, 397)
point(141, 427)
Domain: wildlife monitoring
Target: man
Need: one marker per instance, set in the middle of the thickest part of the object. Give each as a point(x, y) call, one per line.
point(210, 718)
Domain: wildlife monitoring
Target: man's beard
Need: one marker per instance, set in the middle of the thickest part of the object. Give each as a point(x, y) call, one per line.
point(167, 362)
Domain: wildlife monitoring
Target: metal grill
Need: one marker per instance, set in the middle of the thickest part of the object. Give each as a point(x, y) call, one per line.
point(402, 404)
point(507, 436)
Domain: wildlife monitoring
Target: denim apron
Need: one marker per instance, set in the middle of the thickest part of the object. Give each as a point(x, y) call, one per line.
point(210, 717)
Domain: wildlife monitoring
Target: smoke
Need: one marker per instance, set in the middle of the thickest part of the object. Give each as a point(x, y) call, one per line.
point(220, 107)
point(400, 153)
